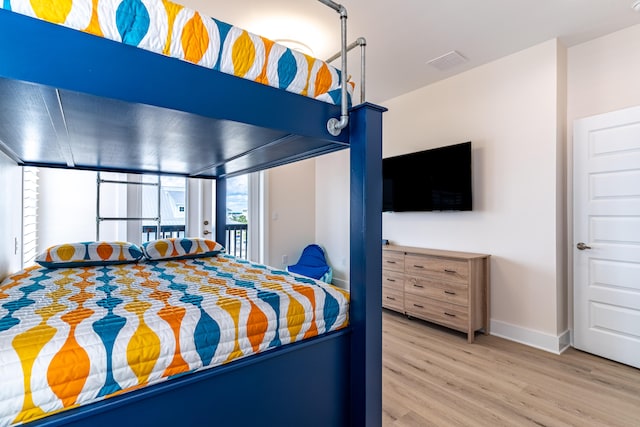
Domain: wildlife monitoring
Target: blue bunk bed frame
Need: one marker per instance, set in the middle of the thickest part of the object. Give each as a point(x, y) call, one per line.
point(67, 91)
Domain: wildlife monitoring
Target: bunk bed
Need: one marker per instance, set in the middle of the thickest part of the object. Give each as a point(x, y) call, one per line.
point(73, 99)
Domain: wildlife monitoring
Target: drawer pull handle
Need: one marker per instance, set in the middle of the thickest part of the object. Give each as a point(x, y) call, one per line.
point(418, 305)
point(419, 266)
point(449, 292)
point(391, 298)
point(449, 314)
point(391, 262)
point(391, 280)
point(418, 286)
point(449, 271)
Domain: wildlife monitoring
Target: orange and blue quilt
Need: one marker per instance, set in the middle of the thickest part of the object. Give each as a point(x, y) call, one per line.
point(168, 28)
point(72, 336)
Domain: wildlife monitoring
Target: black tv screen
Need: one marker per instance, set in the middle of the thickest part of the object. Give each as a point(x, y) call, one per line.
point(438, 179)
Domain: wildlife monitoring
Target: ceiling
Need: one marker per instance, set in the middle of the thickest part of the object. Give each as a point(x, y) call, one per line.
point(402, 36)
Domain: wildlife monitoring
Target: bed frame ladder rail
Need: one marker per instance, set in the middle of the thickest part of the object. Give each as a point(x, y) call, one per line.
point(335, 126)
point(362, 42)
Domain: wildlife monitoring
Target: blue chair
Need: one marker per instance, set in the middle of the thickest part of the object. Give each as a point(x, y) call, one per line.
point(312, 263)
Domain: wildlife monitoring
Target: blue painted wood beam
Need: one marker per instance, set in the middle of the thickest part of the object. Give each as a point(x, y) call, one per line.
point(366, 265)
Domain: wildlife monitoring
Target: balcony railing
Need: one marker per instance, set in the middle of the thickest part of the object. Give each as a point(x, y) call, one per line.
point(237, 240)
point(236, 236)
point(166, 232)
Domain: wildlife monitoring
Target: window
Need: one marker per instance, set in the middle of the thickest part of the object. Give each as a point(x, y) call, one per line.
point(139, 208)
point(237, 215)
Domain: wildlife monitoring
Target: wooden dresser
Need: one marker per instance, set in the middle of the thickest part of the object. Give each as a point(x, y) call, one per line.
point(444, 287)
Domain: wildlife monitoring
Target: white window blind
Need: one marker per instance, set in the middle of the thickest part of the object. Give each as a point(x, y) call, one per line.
point(29, 215)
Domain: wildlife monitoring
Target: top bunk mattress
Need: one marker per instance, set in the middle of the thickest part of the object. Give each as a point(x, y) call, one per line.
point(176, 31)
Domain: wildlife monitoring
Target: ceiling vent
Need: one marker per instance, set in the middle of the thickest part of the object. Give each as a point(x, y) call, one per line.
point(448, 60)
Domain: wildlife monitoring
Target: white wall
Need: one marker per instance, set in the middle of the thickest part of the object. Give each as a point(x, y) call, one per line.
point(309, 203)
point(292, 211)
point(10, 216)
point(562, 326)
point(332, 212)
point(603, 75)
point(509, 110)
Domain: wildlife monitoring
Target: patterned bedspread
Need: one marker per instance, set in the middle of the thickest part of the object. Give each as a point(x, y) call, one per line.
point(71, 336)
point(168, 28)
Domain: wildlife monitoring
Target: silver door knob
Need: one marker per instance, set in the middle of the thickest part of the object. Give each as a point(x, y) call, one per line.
point(582, 246)
point(205, 232)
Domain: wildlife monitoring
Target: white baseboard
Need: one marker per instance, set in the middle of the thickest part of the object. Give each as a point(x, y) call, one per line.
point(341, 283)
point(552, 343)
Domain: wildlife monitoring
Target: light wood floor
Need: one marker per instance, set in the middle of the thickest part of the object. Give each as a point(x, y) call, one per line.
point(432, 377)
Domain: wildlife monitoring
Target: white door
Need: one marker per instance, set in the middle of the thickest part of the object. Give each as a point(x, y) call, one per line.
point(606, 235)
point(249, 196)
point(200, 201)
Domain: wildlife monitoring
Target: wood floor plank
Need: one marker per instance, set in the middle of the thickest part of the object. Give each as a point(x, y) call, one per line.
point(433, 377)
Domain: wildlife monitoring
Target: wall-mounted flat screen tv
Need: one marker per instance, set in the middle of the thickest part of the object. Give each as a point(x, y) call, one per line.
point(438, 179)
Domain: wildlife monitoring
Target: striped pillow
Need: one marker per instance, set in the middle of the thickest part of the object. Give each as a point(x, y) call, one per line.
point(180, 248)
point(84, 254)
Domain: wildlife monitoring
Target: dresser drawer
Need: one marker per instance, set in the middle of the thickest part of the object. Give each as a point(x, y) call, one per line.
point(393, 298)
point(393, 279)
point(393, 261)
point(437, 268)
point(440, 312)
point(451, 292)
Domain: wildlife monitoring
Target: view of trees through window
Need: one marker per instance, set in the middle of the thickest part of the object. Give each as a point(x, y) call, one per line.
point(237, 216)
point(237, 199)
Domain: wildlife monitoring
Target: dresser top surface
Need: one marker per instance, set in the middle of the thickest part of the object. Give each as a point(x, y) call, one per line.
point(433, 252)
